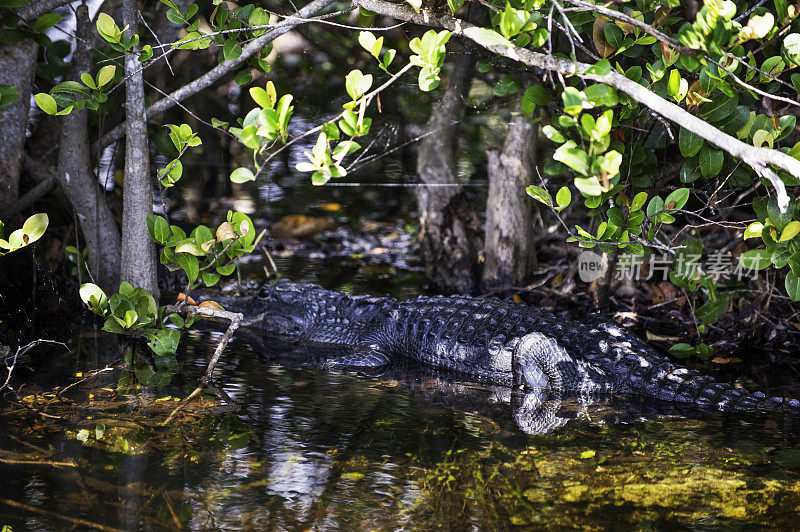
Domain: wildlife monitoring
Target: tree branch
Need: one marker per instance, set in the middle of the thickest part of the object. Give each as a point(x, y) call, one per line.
point(758, 158)
point(34, 10)
point(210, 77)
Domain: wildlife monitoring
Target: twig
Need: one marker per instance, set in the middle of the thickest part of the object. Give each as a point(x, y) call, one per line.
point(271, 262)
point(37, 462)
point(182, 404)
point(168, 500)
point(84, 379)
point(647, 28)
point(155, 36)
point(42, 511)
point(747, 86)
point(235, 319)
point(367, 98)
point(21, 351)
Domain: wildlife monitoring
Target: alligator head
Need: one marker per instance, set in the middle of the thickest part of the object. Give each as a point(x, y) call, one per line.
point(283, 308)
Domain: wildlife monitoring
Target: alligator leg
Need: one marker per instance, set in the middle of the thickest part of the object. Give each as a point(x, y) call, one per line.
point(539, 362)
point(537, 413)
point(367, 355)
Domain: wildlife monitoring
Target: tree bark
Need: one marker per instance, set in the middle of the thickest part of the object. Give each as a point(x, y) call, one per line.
point(138, 264)
point(77, 180)
point(17, 64)
point(510, 253)
point(449, 230)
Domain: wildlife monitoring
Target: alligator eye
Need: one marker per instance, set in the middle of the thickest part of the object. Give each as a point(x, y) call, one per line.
point(288, 297)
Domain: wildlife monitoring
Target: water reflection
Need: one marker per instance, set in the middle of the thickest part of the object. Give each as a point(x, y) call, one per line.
point(311, 449)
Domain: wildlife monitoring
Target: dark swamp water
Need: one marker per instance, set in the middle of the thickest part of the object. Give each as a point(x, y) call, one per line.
point(314, 450)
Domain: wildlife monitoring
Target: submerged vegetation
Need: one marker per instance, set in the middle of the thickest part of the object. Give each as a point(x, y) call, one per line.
point(327, 451)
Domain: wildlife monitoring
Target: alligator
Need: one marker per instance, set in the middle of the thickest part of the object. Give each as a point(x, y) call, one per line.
point(488, 340)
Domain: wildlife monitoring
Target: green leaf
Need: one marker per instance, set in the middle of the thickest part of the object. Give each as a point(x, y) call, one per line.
point(677, 86)
point(486, 37)
point(753, 230)
point(755, 259)
point(189, 264)
point(710, 161)
point(158, 227)
point(574, 157)
point(210, 278)
point(553, 134)
point(165, 342)
point(94, 297)
point(677, 199)
point(242, 175)
point(538, 95)
point(681, 350)
point(601, 68)
point(176, 320)
point(540, 195)
point(367, 40)
point(34, 227)
point(46, 103)
point(243, 77)
point(601, 94)
point(638, 201)
point(793, 286)
point(46, 21)
point(772, 65)
point(574, 101)
point(111, 325)
point(106, 25)
point(563, 198)
point(613, 35)
point(790, 231)
point(261, 97)
point(231, 50)
point(126, 288)
point(147, 53)
point(171, 174)
point(721, 107)
point(589, 186)
point(191, 247)
point(455, 5)
point(689, 143)
point(791, 47)
point(712, 311)
point(225, 269)
point(762, 137)
point(608, 164)
point(8, 95)
point(106, 74)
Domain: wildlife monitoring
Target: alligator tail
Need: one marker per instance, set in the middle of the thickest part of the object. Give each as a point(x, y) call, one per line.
point(681, 385)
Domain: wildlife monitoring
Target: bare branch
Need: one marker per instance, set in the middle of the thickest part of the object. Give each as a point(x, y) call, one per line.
point(235, 319)
point(34, 10)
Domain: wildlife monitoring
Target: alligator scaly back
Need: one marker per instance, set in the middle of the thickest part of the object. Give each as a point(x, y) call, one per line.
point(494, 341)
